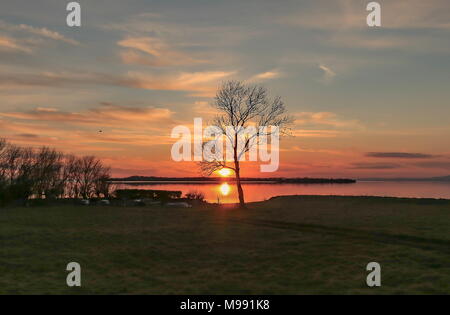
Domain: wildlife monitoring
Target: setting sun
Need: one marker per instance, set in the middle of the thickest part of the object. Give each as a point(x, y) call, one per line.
point(225, 172)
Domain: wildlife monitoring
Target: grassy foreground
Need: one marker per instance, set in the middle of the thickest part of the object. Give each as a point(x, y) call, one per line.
point(288, 245)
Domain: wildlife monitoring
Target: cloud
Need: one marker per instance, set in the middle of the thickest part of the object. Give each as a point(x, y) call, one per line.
point(11, 44)
point(107, 114)
point(28, 135)
point(374, 166)
point(435, 164)
point(342, 23)
point(328, 74)
point(61, 79)
point(315, 133)
point(41, 32)
point(322, 125)
point(181, 32)
point(205, 110)
point(46, 109)
point(351, 15)
point(324, 118)
point(156, 52)
point(201, 84)
point(107, 127)
point(296, 148)
point(274, 74)
point(44, 32)
point(149, 45)
point(399, 155)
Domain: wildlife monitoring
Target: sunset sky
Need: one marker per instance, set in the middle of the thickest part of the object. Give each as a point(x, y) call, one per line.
point(367, 102)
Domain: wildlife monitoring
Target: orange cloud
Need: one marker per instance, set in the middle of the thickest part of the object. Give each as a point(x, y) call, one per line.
point(157, 52)
point(105, 131)
point(151, 46)
point(41, 32)
point(201, 84)
point(316, 133)
point(324, 118)
point(274, 74)
point(8, 43)
point(107, 114)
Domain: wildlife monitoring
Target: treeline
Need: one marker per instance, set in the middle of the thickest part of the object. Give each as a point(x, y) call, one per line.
point(46, 173)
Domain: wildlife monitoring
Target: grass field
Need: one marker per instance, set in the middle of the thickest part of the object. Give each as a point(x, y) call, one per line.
point(288, 245)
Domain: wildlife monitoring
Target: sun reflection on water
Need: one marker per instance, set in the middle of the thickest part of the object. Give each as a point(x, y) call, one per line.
point(225, 189)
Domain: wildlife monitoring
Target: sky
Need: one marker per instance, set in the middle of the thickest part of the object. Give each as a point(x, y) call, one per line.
point(366, 102)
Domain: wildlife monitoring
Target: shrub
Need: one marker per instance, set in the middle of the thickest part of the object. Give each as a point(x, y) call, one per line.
point(195, 195)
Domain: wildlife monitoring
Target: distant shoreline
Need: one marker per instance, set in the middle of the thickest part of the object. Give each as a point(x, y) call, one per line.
point(208, 180)
point(407, 179)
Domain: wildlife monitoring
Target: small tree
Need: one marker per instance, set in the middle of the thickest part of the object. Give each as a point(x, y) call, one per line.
point(90, 172)
point(242, 106)
point(46, 173)
point(103, 184)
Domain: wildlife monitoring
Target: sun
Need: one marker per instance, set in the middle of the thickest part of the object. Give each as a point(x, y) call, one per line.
point(225, 172)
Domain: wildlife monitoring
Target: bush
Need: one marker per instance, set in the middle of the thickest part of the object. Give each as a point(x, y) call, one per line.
point(195, 195)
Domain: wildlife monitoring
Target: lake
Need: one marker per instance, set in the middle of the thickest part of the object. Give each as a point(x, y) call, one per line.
point(226, 192)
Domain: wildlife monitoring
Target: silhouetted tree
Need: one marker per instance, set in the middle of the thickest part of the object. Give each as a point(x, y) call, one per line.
point(90, 171)
point(46, 173)
point(241, 106)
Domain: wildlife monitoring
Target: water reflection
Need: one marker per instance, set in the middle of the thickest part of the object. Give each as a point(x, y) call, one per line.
point(225, 189)
point(226, 193)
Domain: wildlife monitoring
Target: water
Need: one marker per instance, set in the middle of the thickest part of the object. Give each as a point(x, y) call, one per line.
point(226, 192)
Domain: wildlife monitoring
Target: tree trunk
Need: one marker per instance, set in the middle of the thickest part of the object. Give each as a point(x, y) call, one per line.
point(237, 172)
point(239, 186)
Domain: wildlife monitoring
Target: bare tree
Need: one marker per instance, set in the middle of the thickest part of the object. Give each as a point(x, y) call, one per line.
point(16, 172)
point(46, 176)
point(102, 185)
point(242, 106)
point(3, 181)
point(69, 176)
point(91, 175)
point(11, 163)
point(46, 173)
point(3, 148)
